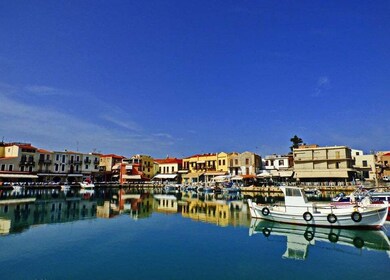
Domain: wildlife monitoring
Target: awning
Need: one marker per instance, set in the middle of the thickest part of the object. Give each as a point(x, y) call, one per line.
point(52, 174)
point(237, 178)
point(116, 166)
point(264, 175)
point(165, 176)
point(328, 174)
point(201, 161)
point(18, 176)
point(283, 173)
point(221, 178)
point(191, 175)
point(131, 177)
point(129, 167)
point(75, 175)
point(210, 173)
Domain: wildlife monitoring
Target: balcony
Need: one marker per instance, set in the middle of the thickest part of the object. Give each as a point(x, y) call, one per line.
point(87, 161)
point(44, 161)
point(96, 161)
point(27, 163)
point(75, 162)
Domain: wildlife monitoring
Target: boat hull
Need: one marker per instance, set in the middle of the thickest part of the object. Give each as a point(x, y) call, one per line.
point(368, 217)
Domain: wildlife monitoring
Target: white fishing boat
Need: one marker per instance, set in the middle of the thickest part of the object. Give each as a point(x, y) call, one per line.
point(298, 210)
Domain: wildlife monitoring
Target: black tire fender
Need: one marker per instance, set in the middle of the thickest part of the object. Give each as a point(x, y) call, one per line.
point(356, 216)
point(332, 218)
point(307, 216)
point(265, 211)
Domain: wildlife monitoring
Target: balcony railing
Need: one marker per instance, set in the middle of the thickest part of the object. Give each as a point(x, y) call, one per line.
point(44, 161)
point(87, 161)
point(28, 163)
point(75, 162)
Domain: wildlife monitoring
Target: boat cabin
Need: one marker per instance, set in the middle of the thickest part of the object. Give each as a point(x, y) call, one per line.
point(295, 200)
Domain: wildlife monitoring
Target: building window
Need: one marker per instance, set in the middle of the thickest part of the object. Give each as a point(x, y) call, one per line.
point(3, 167)
point(236, 161)
point(10, 167)
point(223, 162)
point(337, 165)
point(365, 163)
point(281, 162)
point(63, 168)
point(173, 169)
point(247, 161)
point(30, 169)
point(56, 167)
point(63, 158)
point(22, 168)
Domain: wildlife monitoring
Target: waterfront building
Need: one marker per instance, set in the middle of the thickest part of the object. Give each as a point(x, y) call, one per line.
point(208, 167)
point(278, 167)
point(244, 167)
point(168, 169)
point(197, 165)
point(314, 164)
point(90, 165)
point(364, 165)
point(107, 173)
point(136, 168)
point(383, 164)
point(17, 162)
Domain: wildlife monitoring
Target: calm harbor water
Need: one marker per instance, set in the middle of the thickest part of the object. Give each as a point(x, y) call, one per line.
point(110, 234)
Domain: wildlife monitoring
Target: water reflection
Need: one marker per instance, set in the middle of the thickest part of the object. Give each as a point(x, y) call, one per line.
point(24, 208)
point(300, 238)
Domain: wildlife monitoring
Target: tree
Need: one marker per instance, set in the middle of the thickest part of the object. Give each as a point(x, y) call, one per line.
point(296, 142)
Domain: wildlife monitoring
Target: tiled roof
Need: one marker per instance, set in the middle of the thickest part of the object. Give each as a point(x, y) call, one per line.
point(169, 160)
point(113, 156)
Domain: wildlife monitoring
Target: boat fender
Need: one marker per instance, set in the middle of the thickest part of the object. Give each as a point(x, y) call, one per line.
point(307, 216)
point(309, 235)
point(265, 211)
point(358, 242)
point(332, 218)
point(333, 237)
point(356, 216)
point(266, 232)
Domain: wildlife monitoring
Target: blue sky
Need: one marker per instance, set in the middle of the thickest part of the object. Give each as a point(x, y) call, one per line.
point(184, 77)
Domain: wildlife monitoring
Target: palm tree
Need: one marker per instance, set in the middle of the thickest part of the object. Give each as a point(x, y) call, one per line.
point(296, 142)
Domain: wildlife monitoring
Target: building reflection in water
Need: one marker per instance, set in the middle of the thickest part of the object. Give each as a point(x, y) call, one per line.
point(19, 211)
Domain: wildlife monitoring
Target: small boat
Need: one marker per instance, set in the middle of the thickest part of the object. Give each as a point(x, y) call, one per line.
point(171, 189)
point(87, 185)
point(373, 196)
point(298, 210)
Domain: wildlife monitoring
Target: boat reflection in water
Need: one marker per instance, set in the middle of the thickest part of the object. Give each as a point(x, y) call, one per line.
point(299, 238)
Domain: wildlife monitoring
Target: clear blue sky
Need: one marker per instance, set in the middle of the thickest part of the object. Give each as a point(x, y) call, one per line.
point(183, 77)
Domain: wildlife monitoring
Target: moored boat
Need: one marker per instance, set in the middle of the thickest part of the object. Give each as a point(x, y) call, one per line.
point(298, 210)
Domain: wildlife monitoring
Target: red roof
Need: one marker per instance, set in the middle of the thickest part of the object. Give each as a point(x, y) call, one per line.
point(113, 156)
point(387, 154)
point(169, 161)
point(43, 151)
